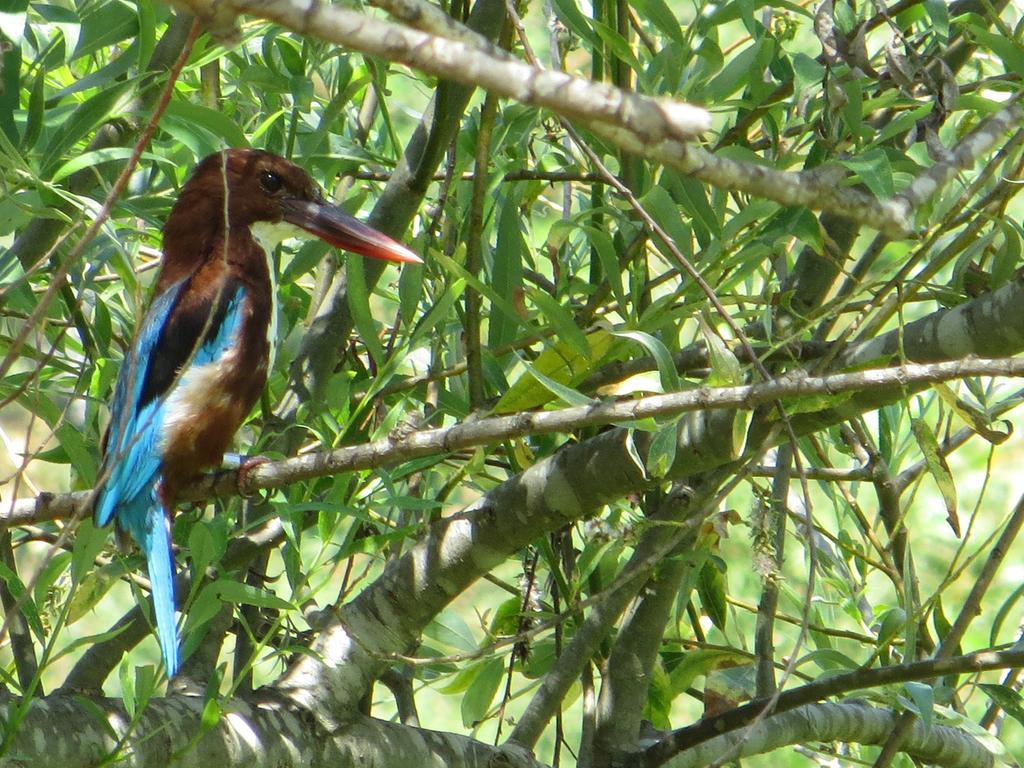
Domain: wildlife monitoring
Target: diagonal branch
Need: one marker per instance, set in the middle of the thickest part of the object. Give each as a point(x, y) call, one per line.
point(659, 129)
point(855, 723)
point(688, 739)
point(653, 119)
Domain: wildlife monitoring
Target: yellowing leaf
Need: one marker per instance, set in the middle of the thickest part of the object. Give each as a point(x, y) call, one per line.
point(562, 363)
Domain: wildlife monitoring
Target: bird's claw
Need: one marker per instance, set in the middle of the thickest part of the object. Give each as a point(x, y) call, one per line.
point(244, 483)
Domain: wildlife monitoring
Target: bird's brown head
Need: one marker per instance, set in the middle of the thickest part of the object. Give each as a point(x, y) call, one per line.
point(232, 191)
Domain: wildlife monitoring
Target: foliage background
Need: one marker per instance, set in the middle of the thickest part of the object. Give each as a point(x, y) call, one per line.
point(543, 288)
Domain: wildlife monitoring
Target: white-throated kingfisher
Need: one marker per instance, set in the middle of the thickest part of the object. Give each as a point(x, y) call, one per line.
point(200, 358)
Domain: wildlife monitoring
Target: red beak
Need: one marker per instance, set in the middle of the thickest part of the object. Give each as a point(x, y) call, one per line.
point(334, 226)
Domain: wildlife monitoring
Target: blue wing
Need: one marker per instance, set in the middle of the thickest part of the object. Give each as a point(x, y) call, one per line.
point(132, 454)
point(131, 461)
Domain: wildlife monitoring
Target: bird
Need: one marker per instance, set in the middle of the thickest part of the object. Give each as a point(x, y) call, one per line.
point(199, 360)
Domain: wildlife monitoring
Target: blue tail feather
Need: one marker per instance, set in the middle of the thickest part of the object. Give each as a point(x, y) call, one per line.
point(156, 543)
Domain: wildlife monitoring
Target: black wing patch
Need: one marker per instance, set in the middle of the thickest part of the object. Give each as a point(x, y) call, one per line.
point(189, 323)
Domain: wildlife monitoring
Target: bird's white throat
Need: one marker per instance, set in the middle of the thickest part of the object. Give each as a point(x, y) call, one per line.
point(268, 235)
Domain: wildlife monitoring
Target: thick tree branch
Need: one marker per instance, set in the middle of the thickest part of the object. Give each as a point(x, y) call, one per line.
point(62, 732)
point(682, 516)
point(388, 616)
point(625, 686)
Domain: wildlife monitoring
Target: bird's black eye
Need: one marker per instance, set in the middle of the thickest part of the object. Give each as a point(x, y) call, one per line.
point(270, 182)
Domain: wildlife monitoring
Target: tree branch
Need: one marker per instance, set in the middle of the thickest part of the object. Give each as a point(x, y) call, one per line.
point(656, 544)
point(705, 732)
point(314, 367)
point(653, 119)
point(395, 449)
point(246, 735)
point(850, 722)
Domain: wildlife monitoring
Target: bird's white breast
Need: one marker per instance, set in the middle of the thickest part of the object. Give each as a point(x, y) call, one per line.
point(200, 393)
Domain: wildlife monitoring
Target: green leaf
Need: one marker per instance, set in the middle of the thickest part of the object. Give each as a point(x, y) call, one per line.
point(559, 364)
point(26, 605)
point(568, 395)
point(506, 618)
point(147, 32)
point(938, 14)
point(891, 626)
point(662, 453)
point(104, 25)
point(661, 16)
point(699, 662)
point(739, 70)
point(211, 714)
point(666, 367)
point(218, 124)
point(452, 631)
point(1007, 698)
point(145, 685)
point(665, 211)
point(875, 171)
point(634, 454)
point(101, 78)
point(506, 277)
point(806, 227)
point(89, 542)
point(439, 311)
point(601, 242)
point(499, 302)
point(127, 680)
point(202, 548)
point(89, 114)
point(938, 469)
point(53, 570)
point(659, 699)
point(902, 123)
point(807, 73)
point(359, 305)
point(593, 555)
point(1010, 52)
point(91, 589)
point(923, 697)
point(725, 368)
point(410, 291)
point(618, 46)
point(1004, 265)
point(852, 110)
point(78, 452)
point(204, 607)
point(98, 156)
point(711, 587)
point(561, 319)
point(36, 115)
point(245, 594)
point(480, 693)
point(10, 75)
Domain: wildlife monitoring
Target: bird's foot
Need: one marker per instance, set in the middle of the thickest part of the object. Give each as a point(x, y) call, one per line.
point(247, 464)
